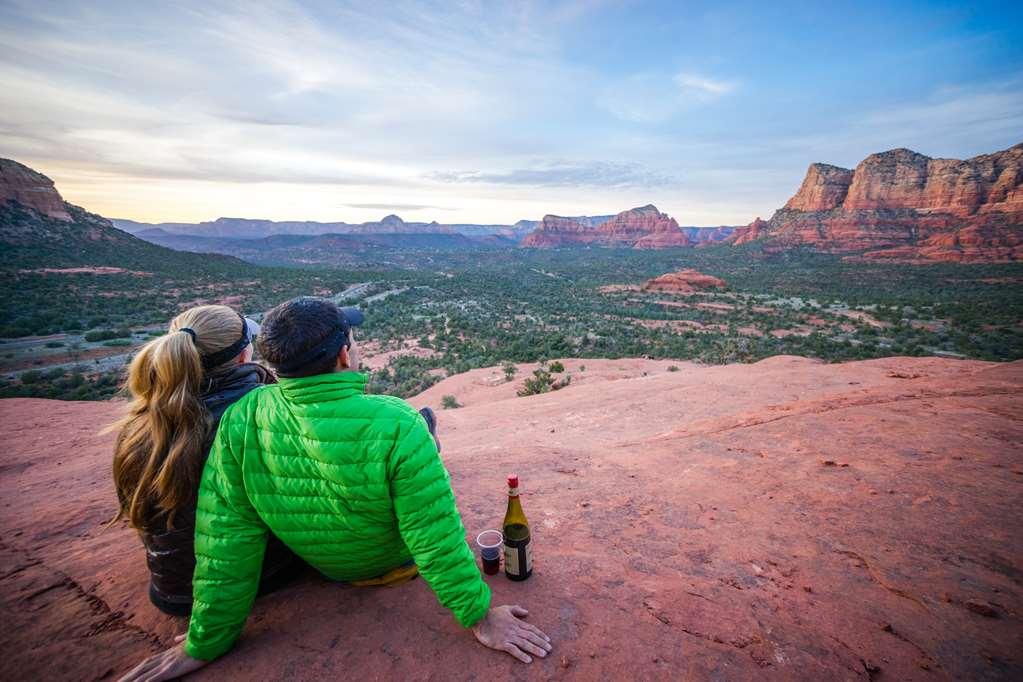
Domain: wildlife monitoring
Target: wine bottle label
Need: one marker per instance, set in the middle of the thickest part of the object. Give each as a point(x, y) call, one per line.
point(518, 560)
point(512, 492)
point(511, 560)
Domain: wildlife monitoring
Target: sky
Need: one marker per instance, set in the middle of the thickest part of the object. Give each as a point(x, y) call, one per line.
point(490, 112)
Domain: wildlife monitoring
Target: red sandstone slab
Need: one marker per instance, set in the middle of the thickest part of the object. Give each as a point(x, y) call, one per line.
point(789, 519)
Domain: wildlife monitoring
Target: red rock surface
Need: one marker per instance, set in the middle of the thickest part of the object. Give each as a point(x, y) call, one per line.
point(823, 188)
point(906, 206)
point(752, 232)
point(789, 519)
point(25, 186)
point(683, 282)
point(642, 228)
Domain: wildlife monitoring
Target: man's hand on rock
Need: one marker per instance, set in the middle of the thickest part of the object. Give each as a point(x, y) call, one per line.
point(503, 630)
point(172, 663)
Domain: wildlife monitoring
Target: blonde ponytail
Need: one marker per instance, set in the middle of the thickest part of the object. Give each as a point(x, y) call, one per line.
point(158, 455)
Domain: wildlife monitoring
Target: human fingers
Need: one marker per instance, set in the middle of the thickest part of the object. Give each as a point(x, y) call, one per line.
point(527, 646)
point(534, 638)
point(168, 671)
point(181, 638)
point(516, 652)
point(156, 672)
point(534, 630)
point(518, 611)
point(137, 672)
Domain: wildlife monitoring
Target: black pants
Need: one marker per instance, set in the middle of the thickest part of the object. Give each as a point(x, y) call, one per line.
point(271, 583)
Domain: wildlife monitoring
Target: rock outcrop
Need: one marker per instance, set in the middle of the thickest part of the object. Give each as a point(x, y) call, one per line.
point(789, 519)
point(40, 231)
point(684, 282)
point(749, 233)
point(642, 228)
point(904, 205)
point(22, 185)
point(707, 236)
point(824, 188)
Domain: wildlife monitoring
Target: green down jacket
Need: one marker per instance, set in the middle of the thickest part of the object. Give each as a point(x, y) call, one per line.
point(352, 483)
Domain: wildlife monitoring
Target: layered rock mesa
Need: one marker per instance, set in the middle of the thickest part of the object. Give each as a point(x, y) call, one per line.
point(903, 205)
point(641, 228)
point(22, 185)
point(683, 282)
point(788, 519)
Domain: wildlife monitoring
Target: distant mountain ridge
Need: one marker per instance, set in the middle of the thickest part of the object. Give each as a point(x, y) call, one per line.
point(895, 205)
point(903, 205)
point(248, 228)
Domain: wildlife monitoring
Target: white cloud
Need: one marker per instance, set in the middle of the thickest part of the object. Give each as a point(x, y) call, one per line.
point(709, 88)
point(564, 174)
point(652, 98)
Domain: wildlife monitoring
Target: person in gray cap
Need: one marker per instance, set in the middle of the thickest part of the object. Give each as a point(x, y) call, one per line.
point(352, 483)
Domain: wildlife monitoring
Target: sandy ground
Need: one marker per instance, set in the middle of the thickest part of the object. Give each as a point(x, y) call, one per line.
point(789, 519)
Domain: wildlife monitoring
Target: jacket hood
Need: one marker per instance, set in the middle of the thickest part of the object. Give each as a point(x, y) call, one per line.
point(226, 386)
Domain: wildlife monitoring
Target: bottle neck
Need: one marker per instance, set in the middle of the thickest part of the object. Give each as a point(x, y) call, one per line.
point(513, 492)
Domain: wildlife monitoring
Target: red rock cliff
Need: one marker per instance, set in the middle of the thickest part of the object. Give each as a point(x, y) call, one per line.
point(642, 228)
point(824, 188)
point(904, 205)
point(25, 186)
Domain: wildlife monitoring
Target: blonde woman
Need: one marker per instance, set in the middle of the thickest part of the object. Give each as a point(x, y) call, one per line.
point(181, 384)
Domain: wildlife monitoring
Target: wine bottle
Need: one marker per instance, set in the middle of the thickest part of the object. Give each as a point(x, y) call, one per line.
point(518, 552)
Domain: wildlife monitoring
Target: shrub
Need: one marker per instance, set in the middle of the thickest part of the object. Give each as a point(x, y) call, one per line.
point(542, 382)
point(105, 334)
point(510, 371)
point(54, 344)
point(117, 342)
point(450, 402)
point(672, 368)
point(31, 376)
point(557, 367)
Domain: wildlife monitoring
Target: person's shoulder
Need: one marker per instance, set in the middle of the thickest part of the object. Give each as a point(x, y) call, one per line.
point(388, 407)
point(242, 408)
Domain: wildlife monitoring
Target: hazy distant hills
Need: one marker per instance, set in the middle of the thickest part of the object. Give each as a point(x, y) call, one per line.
point(325, 249)
point(246, 228)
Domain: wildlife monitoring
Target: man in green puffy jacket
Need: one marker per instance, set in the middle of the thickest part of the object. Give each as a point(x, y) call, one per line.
point(352, 483)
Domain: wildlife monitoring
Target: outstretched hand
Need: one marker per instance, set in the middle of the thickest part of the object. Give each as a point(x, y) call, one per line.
point(501, 629)
point(172, 663)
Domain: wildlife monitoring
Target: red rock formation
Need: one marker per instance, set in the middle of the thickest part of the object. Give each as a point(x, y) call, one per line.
point(752, 232)
point(823, 188)
point(25, 186)
point(642, 228)
point(683, 282)
point(787, 519)
point(555, 231)
point(904, 205)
